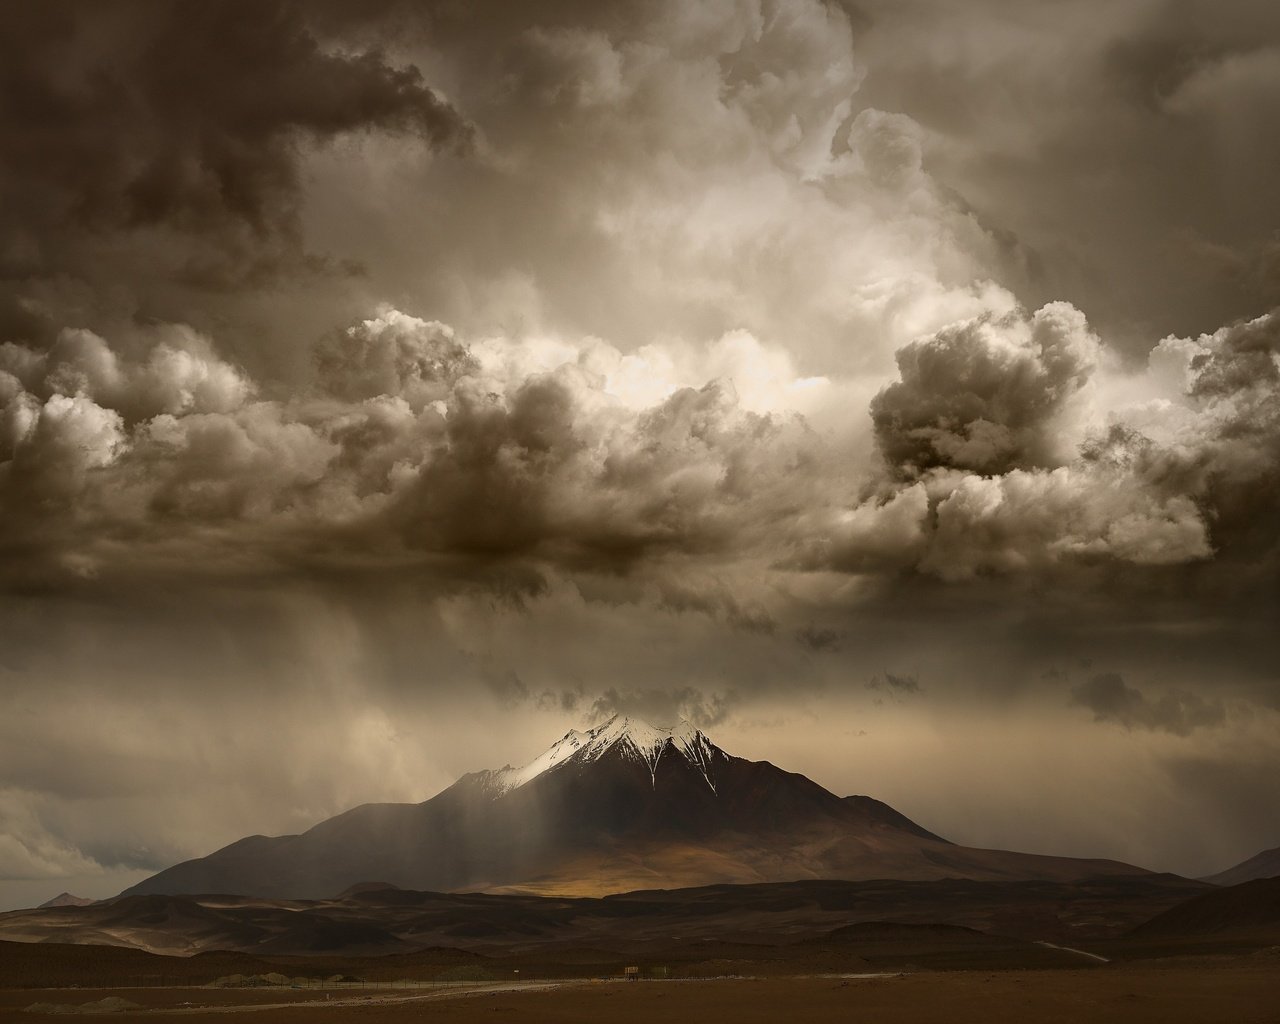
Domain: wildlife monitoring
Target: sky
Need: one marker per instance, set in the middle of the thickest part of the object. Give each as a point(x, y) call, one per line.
point(890, 388)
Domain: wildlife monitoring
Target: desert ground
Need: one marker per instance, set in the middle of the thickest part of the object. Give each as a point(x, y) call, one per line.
point(885, 978)
point(1239, 992)
point(738, 954)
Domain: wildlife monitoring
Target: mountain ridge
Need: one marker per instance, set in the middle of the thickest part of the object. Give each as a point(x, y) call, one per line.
point(622, 806)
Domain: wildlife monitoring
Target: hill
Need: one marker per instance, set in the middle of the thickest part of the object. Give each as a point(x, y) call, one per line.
point(1263, 865)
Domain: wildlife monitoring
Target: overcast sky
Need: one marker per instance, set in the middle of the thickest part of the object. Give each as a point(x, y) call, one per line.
point(890, 387)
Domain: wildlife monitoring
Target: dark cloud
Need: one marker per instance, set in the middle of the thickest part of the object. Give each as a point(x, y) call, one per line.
point(509, 688)
point(983, 395)
point(1242, 359)
point(817, 639)
point(416, 449)
point(549, 469)
point(149, 120)
point(1111, 699)
point(890, 682)
point(565, 701)
point(714, 599)
point(666, 707)
point(1228, 458)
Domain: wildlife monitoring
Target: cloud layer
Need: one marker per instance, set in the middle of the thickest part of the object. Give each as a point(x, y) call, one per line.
point(412, 440)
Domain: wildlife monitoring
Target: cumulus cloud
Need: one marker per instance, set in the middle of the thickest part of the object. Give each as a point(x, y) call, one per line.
point(554, 467)
point(1024, 519)
point(1179, 463)
point(1179, 712)
point(984, 395)
point(889, 147)
point(1203, 422)
point(100, 446)
point(411, 442)
point(180, 374)
point(873, 536)
point(417, 440)
point(395, 356)
point(1240, 360)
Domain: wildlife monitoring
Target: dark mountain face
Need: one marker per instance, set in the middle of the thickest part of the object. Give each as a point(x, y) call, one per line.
point(1250, 908)
point(623, 806)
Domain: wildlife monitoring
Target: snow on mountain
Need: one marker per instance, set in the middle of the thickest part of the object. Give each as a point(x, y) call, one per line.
point(630, 736)
point(505, 779)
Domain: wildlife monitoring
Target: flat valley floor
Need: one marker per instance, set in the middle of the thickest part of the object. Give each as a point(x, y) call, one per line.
point(1236, 991)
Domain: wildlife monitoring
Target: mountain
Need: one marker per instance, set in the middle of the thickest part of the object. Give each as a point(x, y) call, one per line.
point(1250, 908)
point(1264, 865)
point(65, 899)
point(622, 806)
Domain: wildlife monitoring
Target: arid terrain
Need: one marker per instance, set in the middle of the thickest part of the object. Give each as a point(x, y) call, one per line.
point(810, 951)
point(1241, 990)
point(384, 921)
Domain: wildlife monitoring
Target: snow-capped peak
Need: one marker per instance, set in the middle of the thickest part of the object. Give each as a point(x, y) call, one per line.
point(506, 779)
point(633, 737)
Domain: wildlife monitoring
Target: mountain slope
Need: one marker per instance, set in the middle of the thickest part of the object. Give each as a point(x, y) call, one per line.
point(1251, 908)
point(623, 806)
point(1264, 865)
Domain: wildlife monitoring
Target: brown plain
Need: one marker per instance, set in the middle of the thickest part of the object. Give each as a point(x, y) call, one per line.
point(1235, 992)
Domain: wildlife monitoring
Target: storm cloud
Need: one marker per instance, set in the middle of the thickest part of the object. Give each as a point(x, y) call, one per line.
point(185, 119)
point(1111, 699)
point(984, 395)
point(413, 439)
